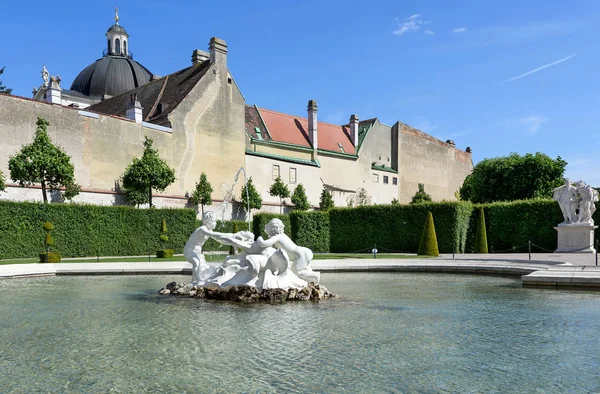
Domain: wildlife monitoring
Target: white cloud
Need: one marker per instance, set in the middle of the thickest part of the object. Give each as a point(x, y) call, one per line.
point(533, 122)
point(431, 33)
point(412, 23)
point(540, 68)
point(459, 30)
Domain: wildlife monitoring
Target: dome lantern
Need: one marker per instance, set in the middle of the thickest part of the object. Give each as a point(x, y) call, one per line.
point(117, 39)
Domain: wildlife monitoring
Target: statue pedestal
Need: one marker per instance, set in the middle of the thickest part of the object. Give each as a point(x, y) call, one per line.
point(576, 238)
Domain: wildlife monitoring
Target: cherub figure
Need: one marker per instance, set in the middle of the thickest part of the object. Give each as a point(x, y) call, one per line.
point(299, 255)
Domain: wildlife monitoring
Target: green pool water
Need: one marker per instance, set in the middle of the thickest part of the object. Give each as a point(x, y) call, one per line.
point(393, 332)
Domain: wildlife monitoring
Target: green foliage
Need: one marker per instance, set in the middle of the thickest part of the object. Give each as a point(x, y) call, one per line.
point(261, 219)
point(164, 238)
point(48, 241)
point(311, 229)
point(481, 245)
point(48, 226)
point(202, 192)
point(395, 202)
point(392, 227)
point(2, 182)
point(4, 89)
point(44, 163)
point(326, 200)
point(87, 230)
point(420, 196)
point(50, 257)
point(147, 173)
point(252, 197)
point(510, 225)
point(279, 189)
point(165, 253)
point(163, 226)
point(136, 197)
point(428, 245)
point(299, 198)
point(513, 177)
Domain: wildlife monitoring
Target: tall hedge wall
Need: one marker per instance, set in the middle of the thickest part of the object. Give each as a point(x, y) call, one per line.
point(397, 228)
point(261, 219)
point(311, 230)
point(88, 230)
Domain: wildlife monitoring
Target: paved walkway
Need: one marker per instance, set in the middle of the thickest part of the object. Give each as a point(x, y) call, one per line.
point(555, 270)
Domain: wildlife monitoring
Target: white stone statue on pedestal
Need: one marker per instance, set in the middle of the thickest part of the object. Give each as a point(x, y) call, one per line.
point(587, 197)
point(566, 196)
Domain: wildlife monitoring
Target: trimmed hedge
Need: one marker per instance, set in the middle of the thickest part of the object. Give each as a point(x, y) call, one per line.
point(311, 230)
point(50, 257)
point(428, 245)
point(261, 219)
point(397, 228)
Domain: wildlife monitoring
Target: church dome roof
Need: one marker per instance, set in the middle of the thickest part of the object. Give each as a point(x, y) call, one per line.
point(117, 29)
point(111, 76)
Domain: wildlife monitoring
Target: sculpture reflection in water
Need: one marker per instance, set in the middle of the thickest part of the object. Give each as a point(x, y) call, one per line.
point(274, 263)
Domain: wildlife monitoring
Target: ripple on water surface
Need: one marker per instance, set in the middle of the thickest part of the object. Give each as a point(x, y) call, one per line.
point(386, 333)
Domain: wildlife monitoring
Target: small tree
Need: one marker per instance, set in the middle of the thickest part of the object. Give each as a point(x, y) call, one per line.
point(250, 198)
point(428, 245)
point(202, 192)
point(44, 163)
point(481, 245)
point(4, 89)
point(326, 200)
point(299, 198)
point(2, 182)
point(279, 189)
point(420, 196)
point(395, 202)
point(147, 173)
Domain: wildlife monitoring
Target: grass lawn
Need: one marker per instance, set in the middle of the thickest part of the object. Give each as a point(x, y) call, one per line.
point(211, 257)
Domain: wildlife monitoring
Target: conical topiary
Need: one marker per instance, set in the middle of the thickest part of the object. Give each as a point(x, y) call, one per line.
point(481, 245)
point(164, 238)
point(428, 245)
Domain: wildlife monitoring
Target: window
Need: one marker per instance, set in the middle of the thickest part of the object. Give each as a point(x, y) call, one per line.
point(125, 47)
point(118, 46)
point(394, 181)
point(292, 175)
point(375, 178)
point(386, 179)
point(275, 172)
point(258, 133)
point(109, 47)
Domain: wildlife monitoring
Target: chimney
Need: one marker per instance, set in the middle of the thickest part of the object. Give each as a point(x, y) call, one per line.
point(134, 109)
point(312, 125)
point(354, 129)
point(199, 56)
point(218, 51)
point(54, 91)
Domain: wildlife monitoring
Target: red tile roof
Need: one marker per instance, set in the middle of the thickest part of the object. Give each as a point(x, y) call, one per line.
point(294, 130)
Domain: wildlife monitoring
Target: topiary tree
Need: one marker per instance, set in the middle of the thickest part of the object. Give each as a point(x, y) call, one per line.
point(279, 189)
point(420, 196)
point(44, 163)
point(326, 200)
point(299, 199)
point(2, 182)
point(250, 197)
point(147, 173)
point(202, 192)
point(164, 239)
point(48, 256)
point(481, 245)
point(428, 245)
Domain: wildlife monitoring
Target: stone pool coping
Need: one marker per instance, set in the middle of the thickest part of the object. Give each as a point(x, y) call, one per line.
point(545, 273)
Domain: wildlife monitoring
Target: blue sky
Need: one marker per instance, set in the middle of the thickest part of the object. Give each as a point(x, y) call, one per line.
point(498, 76)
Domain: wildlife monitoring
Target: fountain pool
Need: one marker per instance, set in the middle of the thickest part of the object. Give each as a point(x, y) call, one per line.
point(392, 332)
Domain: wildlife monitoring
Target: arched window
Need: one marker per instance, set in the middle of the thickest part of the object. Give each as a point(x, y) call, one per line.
point(118, 46)
point(124, 47)
point(109, 47)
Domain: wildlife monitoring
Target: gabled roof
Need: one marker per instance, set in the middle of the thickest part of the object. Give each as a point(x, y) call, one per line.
point(159, 97)
point(293, 130)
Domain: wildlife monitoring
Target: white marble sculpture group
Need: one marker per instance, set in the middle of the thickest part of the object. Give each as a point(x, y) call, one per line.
point(580, 197)
point(274, 263)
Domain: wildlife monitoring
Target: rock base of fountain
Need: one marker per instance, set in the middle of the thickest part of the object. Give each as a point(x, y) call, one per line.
point(248, 294)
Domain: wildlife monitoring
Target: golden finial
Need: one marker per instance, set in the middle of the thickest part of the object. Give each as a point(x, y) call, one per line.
point(116, 15)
